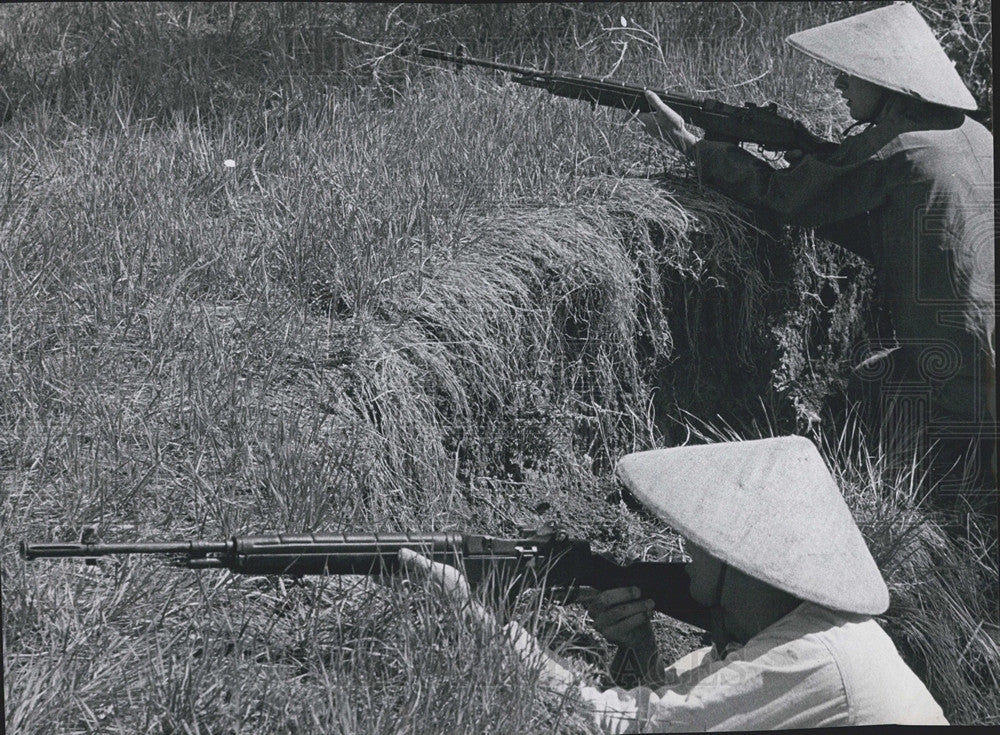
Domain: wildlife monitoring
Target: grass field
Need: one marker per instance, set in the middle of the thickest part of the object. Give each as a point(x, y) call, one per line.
point(417, 300)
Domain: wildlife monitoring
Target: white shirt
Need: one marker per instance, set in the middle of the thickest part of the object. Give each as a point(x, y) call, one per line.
point(815, 667)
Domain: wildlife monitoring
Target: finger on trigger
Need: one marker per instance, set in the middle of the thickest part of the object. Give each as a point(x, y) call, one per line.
point(622, 628)
point(612, 616)
point(582, 595)
point(608, 600)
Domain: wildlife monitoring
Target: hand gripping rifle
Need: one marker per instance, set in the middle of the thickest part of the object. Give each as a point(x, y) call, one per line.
point(720, 121)
point(544, 557)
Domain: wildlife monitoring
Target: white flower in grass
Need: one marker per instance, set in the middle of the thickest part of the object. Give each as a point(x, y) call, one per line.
point(229, 163)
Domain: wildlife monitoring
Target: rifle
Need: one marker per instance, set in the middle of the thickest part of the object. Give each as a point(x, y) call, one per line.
point(761, 125)
point(544, 557)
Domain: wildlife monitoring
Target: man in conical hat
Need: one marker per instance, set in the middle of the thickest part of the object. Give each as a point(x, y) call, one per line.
point(791, 588)
point(914, 194)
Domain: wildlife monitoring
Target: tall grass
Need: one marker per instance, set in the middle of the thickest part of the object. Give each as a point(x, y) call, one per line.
point(942, 613)
point(943, 589)
point(419, 300)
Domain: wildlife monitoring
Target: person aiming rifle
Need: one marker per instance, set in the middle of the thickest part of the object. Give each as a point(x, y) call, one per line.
point(541, 557)
point(914, 195)
point(762, 126)
point(791, 590)
point(779, 576)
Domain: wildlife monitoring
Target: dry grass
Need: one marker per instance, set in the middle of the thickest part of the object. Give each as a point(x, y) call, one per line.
point(427, 301)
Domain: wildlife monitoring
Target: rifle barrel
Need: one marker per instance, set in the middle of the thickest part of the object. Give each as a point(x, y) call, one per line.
point(248, 547)
point(750, 123)
point(67, 550)
point(431, 53)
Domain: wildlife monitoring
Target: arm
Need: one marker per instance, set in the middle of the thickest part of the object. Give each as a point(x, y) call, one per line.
point(819, 191)
point(783, 679)
point(620, 612)
point(811, 196)
point(814, 193)
point(852, 234)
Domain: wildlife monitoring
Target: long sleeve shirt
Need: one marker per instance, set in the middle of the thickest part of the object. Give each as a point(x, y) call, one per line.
point(813, 668)
point(916, 199)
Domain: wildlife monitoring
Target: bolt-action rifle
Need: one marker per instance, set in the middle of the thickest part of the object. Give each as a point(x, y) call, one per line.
point(751, 123)
point(541, 557)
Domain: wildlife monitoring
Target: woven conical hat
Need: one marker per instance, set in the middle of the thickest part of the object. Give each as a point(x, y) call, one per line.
point(892, 47)
point(769, 508)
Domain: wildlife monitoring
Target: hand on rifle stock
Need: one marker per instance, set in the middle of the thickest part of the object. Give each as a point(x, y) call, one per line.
point(621, 615)
point(624, 617)
point(665, 124)
point(447, 579)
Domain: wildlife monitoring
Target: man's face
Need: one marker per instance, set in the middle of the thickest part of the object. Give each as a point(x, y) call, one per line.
point(863, 98)
point(704, 570)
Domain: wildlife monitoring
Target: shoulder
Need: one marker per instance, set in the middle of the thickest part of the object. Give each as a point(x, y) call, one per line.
point(879, 686)
point(957, 152)
point(781, 678)
point(976, 132)
point(950, 143)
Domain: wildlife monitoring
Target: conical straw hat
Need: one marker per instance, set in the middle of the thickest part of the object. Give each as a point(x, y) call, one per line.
point(769, 508)
point(892, 47)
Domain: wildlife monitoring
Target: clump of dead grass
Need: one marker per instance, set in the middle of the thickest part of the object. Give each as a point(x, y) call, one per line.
point(548, 315)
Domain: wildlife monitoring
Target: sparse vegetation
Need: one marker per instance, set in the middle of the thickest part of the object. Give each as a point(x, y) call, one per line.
point(419, 300)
